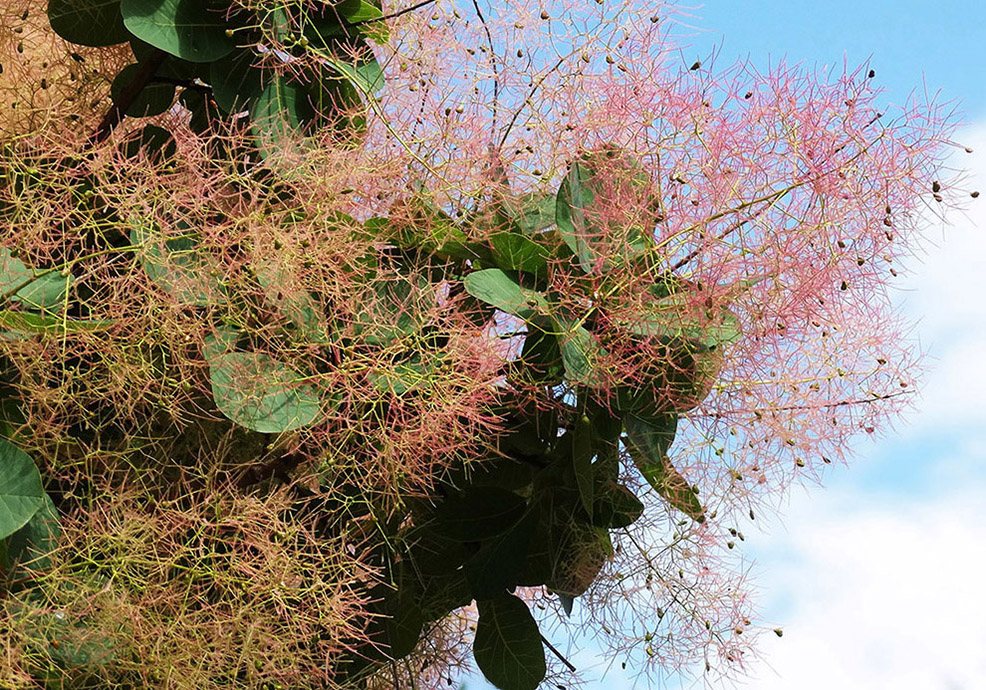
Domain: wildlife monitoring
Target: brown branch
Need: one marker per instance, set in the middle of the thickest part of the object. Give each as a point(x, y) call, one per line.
point(116, 114)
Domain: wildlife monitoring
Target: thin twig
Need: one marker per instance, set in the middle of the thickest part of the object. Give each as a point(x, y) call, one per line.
point(561, 657)
point(406, 10)
point(496, 72)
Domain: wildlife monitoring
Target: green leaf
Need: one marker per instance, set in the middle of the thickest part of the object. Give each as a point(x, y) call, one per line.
point(281, 114)
point(236, 80)
point(261, 394)
point(221, 341)
point(532, 212)
point(194, 30)
point(649, 441)
point(496, 288)
point(43, 293)
point(392, 310)
point(96, 23)
point(514, 252)
point(26, 322)
point(677, 318)
point(177, 266)
point(418, 372)
point(335, 24)
point(582, 461)
point(156, 142)
point(574, 195)
point(580, 353)
point(293, 301)
point(541, 358)
point(615, 506)
point(580, 192)
point(404, 617)
point(498, 564)
point(154, 99)
point(21, 492)
point(507, 645)
point(29, 548)
point(365, 73)
point(478, 512)
point(67, 649)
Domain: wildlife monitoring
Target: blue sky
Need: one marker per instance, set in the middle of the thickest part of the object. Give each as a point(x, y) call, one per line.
point(876, 578)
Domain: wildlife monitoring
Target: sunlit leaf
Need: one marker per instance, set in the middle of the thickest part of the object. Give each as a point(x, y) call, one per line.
point(21, 492)
point(41, 291)
point(194, 30)
point(261, 394)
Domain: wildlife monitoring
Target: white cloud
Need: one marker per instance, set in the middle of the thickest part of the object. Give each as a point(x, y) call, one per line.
point(881, 596)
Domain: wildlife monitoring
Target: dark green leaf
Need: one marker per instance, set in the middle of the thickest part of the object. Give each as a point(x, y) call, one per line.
point(25, 322)
point(393, 309)
point(95, 23)
point(498, 564)
point(677, 318)
point(29, 548)
point(582, 455)
point(504, 473)
point(616, 506)
point(580, 353)
point(405, 619)
point(261, 394)
point(507, 647)
point(649, 441)
point(281, 113)
point(293, 301)
point(194, 30)
point(155, 142)
point(417, 373)
point(21, 492)
point(335, 24)
point(581, 191)
point(237, 80)
point(574, 196)
point(532, 212)
point(178, 266)
point(540, 357)
point(366, 74)
point(478, 513)
point(154, 99)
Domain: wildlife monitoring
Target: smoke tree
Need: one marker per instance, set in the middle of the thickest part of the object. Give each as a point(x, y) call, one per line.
point(349, 345)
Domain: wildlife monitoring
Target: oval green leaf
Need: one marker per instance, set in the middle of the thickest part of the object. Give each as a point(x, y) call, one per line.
point(45, 292)
point(194, 30)
point(21, 492)
point(176, 265)
point(493, 286)
point(95, 23)
point(508, 646)
point(29, 548)
point(236, 80)
point(154, 99)
point(649, 441)
point(479, 512)
point(261, 394)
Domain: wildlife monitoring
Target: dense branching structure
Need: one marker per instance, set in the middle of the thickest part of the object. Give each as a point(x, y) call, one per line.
point(343, 345)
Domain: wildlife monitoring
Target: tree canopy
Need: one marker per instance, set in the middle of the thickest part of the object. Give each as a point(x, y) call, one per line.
point(350, 345)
